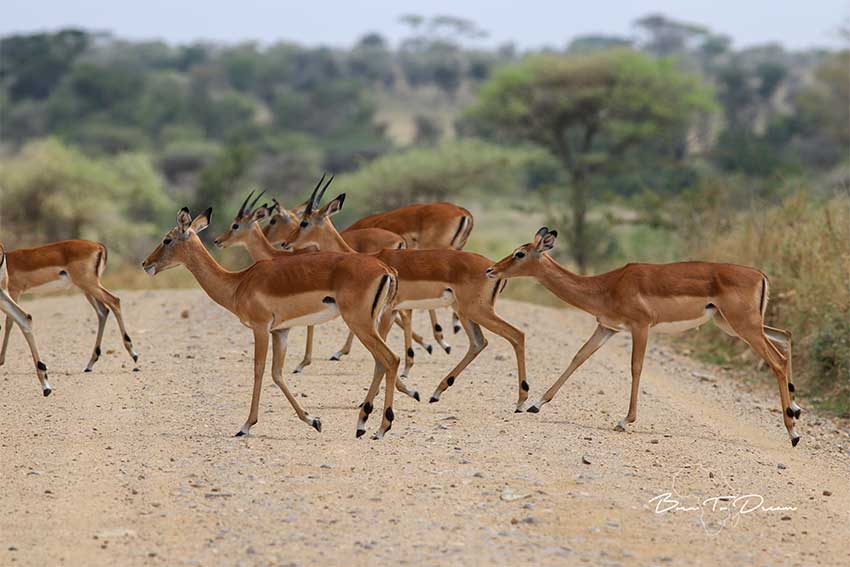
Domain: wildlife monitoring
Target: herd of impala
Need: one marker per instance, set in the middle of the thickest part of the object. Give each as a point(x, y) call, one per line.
point(380, 269)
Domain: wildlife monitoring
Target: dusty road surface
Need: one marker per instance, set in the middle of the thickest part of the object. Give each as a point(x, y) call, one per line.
point(140, 468)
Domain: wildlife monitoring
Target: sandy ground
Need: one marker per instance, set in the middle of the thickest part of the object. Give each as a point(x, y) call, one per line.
point(133, 468)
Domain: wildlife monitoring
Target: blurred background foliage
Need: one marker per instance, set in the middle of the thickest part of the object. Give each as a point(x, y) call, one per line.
point(664, 145)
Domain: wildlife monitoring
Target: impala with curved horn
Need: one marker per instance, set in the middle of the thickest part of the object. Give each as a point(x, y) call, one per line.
point(427, 279)
point(245, 231)
point(664, 298)
point(14, 313)
point(423, 226)
point(59, 265)
point(272, 296)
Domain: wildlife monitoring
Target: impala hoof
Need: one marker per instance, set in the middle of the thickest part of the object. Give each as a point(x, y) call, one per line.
point(317, 425)
point(448, 349)
point(359, 433)
point(534, 408)
point(621, 426)
point(298, 370)
point(433, 399)
point(135, 358)
point(429, 348)
point(240, 433)
point(795, 440)
point(416, 396)
point(87, 370)
point(456, 329)
point(46, 392)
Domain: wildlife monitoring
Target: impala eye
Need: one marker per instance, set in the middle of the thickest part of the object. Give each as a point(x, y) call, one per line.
point(273, 221)
point(303, 224)
point(235, 227)
point(519, 255)
point(167, 241)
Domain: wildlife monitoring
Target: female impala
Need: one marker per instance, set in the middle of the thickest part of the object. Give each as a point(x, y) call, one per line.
point(423, 226)
point(14, 312)
point(665, 298)
point(272, 296)
point(61, 264)
point(428, 279)
point(245, 231)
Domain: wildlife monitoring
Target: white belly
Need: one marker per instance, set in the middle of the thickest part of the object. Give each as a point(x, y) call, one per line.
point(61, 283)
point(327, 314)
point(672, 327)
point(445, 300)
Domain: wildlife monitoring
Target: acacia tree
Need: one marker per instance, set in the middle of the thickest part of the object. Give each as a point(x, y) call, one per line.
point(591, 111)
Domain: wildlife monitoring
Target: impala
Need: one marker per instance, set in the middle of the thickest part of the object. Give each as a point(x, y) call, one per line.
point(60, 265)
point(245, 231)
point(427, 279)
point(663, 298)
point(14, 313)
point(272, 296)
point(422, 226)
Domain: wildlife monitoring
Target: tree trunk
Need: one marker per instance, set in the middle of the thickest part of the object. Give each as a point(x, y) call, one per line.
point(578, 198)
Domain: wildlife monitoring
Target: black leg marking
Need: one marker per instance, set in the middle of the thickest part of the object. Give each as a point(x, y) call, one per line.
point(450, 380)
point(791, 387)
point(367, 408)
point(524, 385)
point(127, 338)
point(41, 366)
point(97, 351)
point(438, 328)
point(789, 412)
point(390, 415)
point(410, 352)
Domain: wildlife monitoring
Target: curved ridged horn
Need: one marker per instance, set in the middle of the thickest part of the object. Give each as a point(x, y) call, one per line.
point(244, 204)
point(254, 202)
point(322, 192)
point(312, 200)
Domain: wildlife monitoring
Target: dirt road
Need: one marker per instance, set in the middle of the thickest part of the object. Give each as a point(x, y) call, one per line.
point(140, 468)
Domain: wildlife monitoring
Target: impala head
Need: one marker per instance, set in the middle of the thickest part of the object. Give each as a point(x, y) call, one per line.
point(243, 222)
point(524, 260)
point(314, 228)
point(171, 251)
point(281, 221)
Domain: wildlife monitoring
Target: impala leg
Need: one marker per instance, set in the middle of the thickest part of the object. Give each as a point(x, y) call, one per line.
point(386, 364)
point(406, 324)
point(24, 321)
point(748, 325)
point(6, 332)
point(102, 313)
point(261, 351)
point(438, 332)
point(114, 303)
point(495, 324)
point(346, 348)
point(384, 327)
point(279, 341)
point(308, 352)
point(599, 337)
point(455, 322)
point(640, 335)
point(477, 343)
point(781, 339)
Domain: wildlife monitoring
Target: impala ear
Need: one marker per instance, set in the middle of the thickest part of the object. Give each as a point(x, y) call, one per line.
point(260, 213)
point(202, 221)
point(334, 206)
point(547, 242)
point(184, 219)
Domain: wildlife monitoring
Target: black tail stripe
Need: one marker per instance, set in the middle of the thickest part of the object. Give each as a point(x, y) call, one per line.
point(378, 295)
point(97, 261)
point(495, 291)
point(761, 301)
point(459, 229)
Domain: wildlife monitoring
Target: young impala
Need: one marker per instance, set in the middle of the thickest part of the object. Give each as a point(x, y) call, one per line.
point(423, 226)
point(272, 296)
point(59, 265)
point(427, 279)
point(245, 231)
point(14, 313)
point(664, 298)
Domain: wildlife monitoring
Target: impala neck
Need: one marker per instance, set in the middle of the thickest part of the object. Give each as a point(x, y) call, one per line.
point(217, 282)
point(259, 246)
point(335, 242)
point(582, 292)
